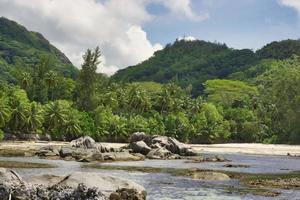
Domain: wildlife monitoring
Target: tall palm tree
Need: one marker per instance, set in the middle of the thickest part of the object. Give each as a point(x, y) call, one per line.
point(5, 112)
point(34, 119)
point(55, 115)
point(51, 79)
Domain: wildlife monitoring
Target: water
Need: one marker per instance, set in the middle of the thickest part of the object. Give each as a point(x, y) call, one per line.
point(257, 163)
point(162, 186)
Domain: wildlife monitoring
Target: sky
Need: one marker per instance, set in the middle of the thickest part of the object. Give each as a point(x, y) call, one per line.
point(130, 31)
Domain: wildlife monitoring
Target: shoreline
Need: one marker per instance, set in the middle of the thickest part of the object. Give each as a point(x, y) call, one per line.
point(242, 148)
point(249, 148)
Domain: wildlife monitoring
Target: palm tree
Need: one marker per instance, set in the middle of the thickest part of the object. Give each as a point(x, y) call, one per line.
point(55, 115)
point(51, 79)
point(5, 112)
point(71, 126)
point(138, 99)
point(25, 80)
point(34, 119)
point(18, 117)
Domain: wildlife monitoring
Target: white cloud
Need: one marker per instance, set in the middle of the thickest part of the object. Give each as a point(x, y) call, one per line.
point(291, 3)
point(183, 8)
point(114, 25)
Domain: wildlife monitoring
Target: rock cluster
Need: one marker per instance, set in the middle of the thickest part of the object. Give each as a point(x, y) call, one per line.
point(77, 185)
point(159, 147)
point(85, 149)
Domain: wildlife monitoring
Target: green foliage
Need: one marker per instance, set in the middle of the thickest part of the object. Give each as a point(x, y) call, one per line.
point(190, 62)
point(280, 95)
point(87, 80)
point(229, 93)
point(195, 91)
point(280, 50)
point(1, 135)
point(34, 118)
point(18, 45)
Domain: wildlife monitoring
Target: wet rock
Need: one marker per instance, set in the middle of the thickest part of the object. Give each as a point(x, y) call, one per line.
point(140, 147)
point(84, 142)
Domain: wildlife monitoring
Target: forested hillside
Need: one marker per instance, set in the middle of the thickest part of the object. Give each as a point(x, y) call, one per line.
point(194, 62)
point(240, 96)
point(23, 49)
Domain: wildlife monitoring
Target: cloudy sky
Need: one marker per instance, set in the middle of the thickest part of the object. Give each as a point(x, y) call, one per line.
point(129, 31)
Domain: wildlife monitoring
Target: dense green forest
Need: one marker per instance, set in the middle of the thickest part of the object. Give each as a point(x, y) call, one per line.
point(21, 49)
point(194, 62)
point(242, 96)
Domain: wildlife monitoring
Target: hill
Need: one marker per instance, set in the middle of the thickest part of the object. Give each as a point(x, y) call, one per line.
point(18, 46)
point(194, 62)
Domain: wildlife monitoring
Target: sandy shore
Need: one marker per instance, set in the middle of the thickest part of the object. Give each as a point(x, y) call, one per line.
point(254, 148)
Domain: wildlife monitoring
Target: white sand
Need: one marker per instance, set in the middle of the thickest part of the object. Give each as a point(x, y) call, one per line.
point(253, 148)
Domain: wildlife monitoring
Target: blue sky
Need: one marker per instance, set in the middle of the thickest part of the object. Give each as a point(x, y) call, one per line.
point(238, 23)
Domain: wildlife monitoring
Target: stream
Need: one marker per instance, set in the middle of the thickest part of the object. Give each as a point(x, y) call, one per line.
point(163, 186)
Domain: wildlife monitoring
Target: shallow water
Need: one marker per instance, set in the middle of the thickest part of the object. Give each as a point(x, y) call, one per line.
point(257, 163)
point(162, 186)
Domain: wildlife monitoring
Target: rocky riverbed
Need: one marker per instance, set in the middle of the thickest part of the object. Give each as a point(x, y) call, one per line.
point(166, 168)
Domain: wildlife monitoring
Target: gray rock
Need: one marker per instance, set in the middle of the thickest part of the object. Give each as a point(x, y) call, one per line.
point(78, 185)
point(140, 147)
point(12, 185)
point(84, 142)
point(104, 183)
point(139, 136)
point(160, 153)
point(49, 152)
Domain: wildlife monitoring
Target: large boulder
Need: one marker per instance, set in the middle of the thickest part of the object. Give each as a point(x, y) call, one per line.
point(85, 142)
point(171, 144)
point(11, 185)
point(140, 147)
point(104, 183)
point(77, 185)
